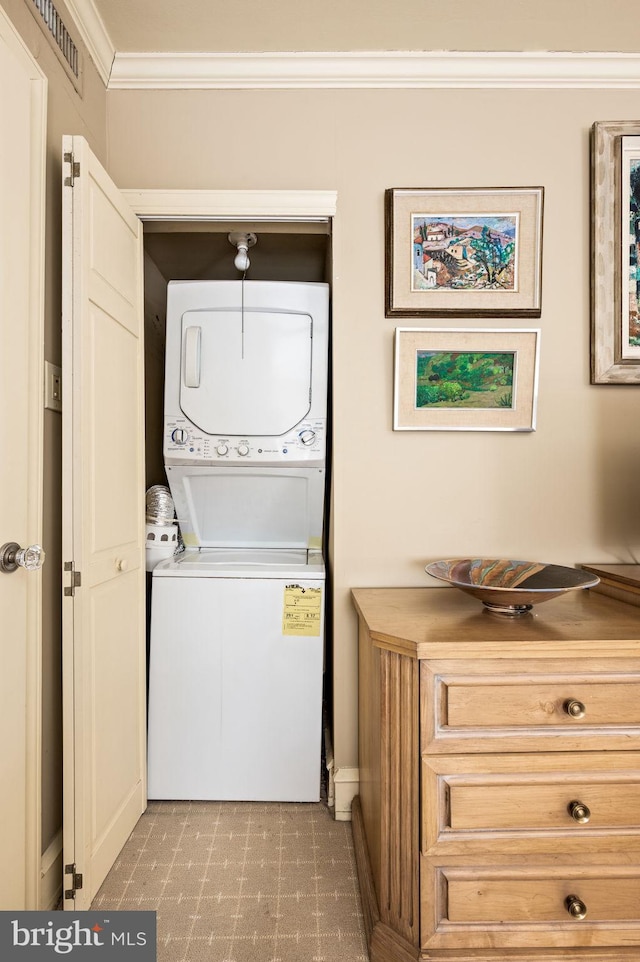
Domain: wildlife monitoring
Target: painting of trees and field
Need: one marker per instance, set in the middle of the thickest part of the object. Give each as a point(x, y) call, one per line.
point(464, 252)
point(464, 380)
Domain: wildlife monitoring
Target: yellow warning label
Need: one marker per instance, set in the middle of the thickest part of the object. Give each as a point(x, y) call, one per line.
point(301, 610)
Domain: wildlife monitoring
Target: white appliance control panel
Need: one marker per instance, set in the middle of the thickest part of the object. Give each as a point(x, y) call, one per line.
point(184, 443)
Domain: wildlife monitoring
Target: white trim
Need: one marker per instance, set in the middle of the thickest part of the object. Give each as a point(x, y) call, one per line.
point(359, 69)
point(35, 377)
point(51, 874)
point(38, 123)
point(347, 785)
point(254, 205)
point(381, 69)
point(93, 34)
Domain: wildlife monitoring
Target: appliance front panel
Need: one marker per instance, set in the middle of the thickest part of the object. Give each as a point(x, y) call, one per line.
point(235, 700)
point(302, 446)
point(246, 373)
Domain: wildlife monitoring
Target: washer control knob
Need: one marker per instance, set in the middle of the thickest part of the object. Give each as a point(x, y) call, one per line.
point(243, 450)
point(179, 436)
point(222, 449)
point(307, 436)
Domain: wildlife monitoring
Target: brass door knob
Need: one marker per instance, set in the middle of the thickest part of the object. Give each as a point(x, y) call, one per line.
point(579, 811)
point(574, 708)
point(575, 907)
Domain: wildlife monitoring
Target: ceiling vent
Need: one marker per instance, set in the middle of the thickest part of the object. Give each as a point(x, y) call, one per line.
point(53, 26)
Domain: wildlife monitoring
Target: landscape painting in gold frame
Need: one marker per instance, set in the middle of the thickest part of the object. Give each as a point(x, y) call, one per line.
point(465, 380)
point(475, 252)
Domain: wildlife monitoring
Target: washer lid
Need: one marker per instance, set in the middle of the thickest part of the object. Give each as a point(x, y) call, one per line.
point(245, 371)
point(247, 507)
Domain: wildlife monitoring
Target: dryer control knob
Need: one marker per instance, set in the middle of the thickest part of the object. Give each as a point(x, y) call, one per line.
point(243, 450)
point(222, 449)
point(179, 436)
point(307, 437)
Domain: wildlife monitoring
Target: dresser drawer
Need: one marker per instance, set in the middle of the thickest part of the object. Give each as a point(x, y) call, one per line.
point(476, 906)
point(486, 712)
point(517, 803)
point(543, 900)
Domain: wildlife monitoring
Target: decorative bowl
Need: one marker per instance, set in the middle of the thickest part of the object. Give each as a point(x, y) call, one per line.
point(510, 587)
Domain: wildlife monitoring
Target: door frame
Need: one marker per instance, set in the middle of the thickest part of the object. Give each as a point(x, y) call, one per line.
point(34, 485)
point(223, 205)
point(216, 206)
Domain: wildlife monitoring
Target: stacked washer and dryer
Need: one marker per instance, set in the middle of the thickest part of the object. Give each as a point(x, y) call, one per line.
point(237, 619)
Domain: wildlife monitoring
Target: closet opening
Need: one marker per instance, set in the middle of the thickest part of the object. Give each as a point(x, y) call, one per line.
point(199, 250)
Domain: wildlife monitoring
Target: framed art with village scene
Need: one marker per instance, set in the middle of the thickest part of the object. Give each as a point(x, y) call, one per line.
point(448, 379)
point(615, 253)
point(472, 252)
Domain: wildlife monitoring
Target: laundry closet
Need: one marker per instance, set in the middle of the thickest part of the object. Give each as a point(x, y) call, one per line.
point(237, 424)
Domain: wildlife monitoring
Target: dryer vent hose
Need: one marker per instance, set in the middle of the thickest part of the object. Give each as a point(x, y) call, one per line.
point(159, 505)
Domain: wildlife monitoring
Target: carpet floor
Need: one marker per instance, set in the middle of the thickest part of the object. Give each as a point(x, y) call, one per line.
point(242, 882)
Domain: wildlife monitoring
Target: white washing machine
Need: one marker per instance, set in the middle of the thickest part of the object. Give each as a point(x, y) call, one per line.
point(237, 620)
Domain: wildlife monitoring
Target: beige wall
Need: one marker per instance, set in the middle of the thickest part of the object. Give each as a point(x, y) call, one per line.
point(372, 25)
point(565, 493)
point(67, 113)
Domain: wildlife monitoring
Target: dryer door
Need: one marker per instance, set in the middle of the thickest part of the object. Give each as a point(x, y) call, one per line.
point(245, 372)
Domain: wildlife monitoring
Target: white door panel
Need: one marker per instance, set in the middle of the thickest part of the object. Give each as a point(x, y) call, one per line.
point(22, 165)
point(103, 521)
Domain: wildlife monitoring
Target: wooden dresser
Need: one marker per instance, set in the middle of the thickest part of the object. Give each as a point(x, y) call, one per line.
point(499, 807)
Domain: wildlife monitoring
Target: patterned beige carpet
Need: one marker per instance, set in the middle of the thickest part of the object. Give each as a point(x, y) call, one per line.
point(242, 882)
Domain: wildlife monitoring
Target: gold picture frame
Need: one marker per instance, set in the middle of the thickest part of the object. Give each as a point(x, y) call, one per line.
point(453, 379)
point(615, 253)
point(471, 252)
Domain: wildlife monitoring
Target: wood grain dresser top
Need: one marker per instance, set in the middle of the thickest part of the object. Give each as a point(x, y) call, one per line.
point(447, 623)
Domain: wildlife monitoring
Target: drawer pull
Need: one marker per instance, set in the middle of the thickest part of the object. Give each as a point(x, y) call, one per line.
point(575, 907)
point(575, 709)
point(579, 811)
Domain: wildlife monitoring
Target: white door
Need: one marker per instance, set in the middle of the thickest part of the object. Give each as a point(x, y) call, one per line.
point(104, 652)
point(22, 166)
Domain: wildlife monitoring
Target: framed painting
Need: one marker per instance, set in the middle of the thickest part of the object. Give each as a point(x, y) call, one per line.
point(474, 252)
point(615, 253)
point(449, 379)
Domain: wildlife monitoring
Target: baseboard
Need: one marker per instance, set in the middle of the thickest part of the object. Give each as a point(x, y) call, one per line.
point(346, 787)
point(51, 874)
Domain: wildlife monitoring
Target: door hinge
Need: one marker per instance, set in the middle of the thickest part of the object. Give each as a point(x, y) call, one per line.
point(76, 579)
point(76, 881)
point(74, 170)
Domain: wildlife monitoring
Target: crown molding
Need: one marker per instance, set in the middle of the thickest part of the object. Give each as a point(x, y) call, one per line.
point(94, 35)
point(355, 69)
point(384, 69)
